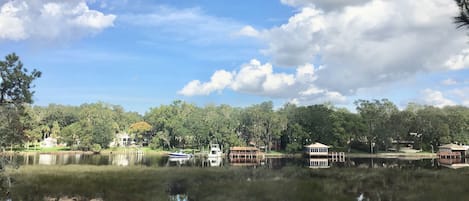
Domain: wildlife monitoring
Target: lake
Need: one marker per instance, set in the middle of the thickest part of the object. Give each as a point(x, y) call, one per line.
point(153, 177)
point(165, 161)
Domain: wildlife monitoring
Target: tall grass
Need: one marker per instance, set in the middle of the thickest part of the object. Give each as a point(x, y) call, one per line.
point(143, 183)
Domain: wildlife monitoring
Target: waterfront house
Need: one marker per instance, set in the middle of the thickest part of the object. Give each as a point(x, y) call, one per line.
point(49, 142)
point(245, 155)
point(452, 151)
point(121, 140)
point(317, 149)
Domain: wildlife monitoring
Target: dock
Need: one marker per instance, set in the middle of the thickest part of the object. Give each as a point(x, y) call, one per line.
point(245, 155)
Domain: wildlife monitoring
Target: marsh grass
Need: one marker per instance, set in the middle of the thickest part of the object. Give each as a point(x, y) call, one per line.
point(144, 183)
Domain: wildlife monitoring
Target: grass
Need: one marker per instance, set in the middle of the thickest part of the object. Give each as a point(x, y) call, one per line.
point(46, 149)
point(142, 183)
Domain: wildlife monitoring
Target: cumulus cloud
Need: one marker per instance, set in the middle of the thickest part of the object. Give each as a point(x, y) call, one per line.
point(248, 31)
point(368, 43)
point(435, 98)
point(219, 81)
point(260, 79)
point(50, 20)
point(458, 61)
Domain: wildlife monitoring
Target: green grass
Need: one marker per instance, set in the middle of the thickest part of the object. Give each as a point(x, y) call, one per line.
point(48, 149)
point(142, 183)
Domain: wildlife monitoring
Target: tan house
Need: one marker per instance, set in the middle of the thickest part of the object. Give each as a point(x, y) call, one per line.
point(452, 151)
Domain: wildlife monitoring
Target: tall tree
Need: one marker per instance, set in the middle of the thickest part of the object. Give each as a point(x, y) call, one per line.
point(15, 91)
point(16, 82)
point(376, 114)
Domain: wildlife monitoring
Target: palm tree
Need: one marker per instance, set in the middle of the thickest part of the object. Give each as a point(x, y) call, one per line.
point(463, 19)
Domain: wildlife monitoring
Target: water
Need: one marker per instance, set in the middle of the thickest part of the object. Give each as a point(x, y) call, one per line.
point(164, 161)
point(155, 177)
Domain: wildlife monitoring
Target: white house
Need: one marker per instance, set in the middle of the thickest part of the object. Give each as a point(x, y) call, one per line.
point(121, 140)
point(317, 149)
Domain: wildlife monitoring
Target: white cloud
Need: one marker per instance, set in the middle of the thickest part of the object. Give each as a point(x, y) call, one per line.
point(459, 61)
point(188, 25)
point(435, 98)
point(323, 4)
point(462, 94)
point(248, 31)
point(219, 81)
point(449, 82)
point(50, 20)
point(367, 43)
point(260, 79)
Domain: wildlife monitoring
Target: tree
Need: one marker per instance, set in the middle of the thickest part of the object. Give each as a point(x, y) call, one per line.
point(462, 20)
point(140, 130)
point(16, 83)
point(15, 92)
point(376, 114)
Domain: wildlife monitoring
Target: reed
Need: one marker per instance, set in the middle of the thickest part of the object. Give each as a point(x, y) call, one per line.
point(144, 183)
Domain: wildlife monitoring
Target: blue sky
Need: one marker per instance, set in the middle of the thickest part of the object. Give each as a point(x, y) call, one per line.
point(141, 54)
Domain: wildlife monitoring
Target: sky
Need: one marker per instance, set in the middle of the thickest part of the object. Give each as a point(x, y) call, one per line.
point(141, 54)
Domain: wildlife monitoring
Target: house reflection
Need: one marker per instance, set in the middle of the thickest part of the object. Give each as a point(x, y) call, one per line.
point(215, 161)
point(453, 163)
point(47, 159)
point(318, 163)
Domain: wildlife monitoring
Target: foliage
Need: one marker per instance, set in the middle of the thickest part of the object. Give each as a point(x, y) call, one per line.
point(96, 148)
point(141, 131)
point(462, 20)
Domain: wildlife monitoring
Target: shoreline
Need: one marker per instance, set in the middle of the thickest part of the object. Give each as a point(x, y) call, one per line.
point(267, 155)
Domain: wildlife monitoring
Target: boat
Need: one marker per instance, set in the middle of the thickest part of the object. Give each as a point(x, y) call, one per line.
point(179, 154)
point(215, 151)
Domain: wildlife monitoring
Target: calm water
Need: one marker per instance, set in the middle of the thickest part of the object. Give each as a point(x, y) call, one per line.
point(164, 161)
point(218, 179)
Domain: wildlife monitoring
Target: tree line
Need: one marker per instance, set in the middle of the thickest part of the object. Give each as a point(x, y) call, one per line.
point(375, 125)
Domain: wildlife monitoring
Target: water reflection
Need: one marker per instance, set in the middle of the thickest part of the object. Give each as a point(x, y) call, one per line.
point(271, 163)
point(178, 197)
point(453, 163)
point(215, 161)
point(318, 163)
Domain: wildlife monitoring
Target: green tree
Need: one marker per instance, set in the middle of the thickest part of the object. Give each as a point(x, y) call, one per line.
point(15, 91)
point(376, 114)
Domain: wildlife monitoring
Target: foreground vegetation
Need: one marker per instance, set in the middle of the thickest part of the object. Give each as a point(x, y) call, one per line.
point(138, 183)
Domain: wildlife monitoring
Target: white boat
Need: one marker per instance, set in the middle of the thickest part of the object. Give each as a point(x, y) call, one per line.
point(179, 155)
point(215, 151)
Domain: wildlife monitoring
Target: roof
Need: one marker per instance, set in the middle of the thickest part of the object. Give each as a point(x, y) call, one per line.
point(317, 145)
point(243, 149)
point(453, 147)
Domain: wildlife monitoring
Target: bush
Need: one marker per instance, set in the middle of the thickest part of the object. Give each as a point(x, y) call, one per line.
point(96, 148)
point(155, 143)
point(293, 147)
point(361, 146)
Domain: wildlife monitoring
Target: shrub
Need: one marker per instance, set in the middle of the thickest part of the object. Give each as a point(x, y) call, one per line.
point(96, 148)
